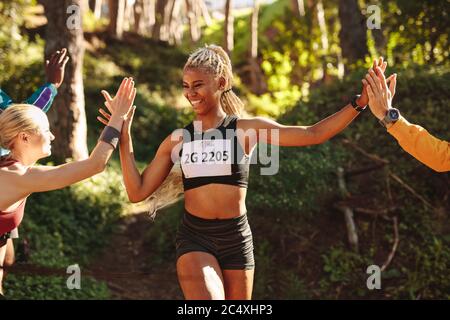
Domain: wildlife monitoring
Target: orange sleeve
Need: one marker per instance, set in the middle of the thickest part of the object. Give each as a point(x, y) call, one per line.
point(421, 145)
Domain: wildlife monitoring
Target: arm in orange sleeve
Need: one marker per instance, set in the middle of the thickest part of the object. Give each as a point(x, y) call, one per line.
point(415, 140)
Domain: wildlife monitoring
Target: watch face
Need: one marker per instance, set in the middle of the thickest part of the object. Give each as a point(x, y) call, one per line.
point(393, 114)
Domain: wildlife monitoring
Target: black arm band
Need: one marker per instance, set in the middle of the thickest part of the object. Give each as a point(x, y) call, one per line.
point(110, 135)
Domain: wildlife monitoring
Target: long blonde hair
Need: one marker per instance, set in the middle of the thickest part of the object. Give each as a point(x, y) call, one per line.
point(16, 119)
point(214, 60)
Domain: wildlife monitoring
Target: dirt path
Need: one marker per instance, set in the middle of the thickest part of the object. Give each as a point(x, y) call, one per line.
point(126, 264)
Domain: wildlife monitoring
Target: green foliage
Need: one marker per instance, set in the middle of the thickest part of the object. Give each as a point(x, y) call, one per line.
point(344, 268)
point(421, 96)
point(304, 174)
point(158, 103)
point(65, 227)
point(263, 287)
point(417, 31)
point(91, 23)
point(294, 287)
point(157, 65)
point(21, 77)
point(162, 232)
point(425, 258)
point(73, 220)
point(53, 288)
point(428, 277)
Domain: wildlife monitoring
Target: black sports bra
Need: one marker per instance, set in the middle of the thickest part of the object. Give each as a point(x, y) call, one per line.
point(213, 156)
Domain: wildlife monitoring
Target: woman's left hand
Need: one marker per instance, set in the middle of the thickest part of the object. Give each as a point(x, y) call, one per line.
point(364, 98)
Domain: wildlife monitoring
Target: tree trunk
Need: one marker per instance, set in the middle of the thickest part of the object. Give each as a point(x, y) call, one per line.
point(116, 17)
point(175, 23)
point(229, 29)
point(84, 5)
point(68, 117)
point(322, 26)
point(159, 19)
point(165, 29)
point(113, 6)
point(147, 16)
point(138, 11)
point(298, 6)
point(127, 15)
point(352, 35)
point(98, 9)
point(193, 21)
point(151, 12)
point(256, 76)
point(323, 38)
point(205, 12)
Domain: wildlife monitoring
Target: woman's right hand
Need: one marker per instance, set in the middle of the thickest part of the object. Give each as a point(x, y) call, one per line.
point(364, 98)
point(126, 127)
point(123, 101)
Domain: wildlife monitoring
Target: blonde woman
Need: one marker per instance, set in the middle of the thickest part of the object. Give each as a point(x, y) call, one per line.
point(24, 129)
point(214, 243)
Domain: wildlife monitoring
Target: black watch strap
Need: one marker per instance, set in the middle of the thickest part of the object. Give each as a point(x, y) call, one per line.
point(355, 105)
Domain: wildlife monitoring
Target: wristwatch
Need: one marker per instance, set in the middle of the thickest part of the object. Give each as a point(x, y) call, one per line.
point(392, 115)
point(355, 105)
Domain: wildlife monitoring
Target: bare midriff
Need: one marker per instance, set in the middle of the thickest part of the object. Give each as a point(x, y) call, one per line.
point(216, 201)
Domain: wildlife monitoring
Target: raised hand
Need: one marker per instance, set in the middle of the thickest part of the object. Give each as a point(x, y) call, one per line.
point(380, 95)
point(126, 127)
point(55, 67)
point(121, 104)
point(364, 99)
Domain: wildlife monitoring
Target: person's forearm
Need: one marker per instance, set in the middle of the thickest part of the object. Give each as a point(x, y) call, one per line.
point(131, 176)
point(103, 151)
point(415, 140)
point(43, 97)
point(332, 125)
point(46, 178)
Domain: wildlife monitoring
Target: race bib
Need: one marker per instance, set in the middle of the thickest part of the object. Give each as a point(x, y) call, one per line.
point(206, 158)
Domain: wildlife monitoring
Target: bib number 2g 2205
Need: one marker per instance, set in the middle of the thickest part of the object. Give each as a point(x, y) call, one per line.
point(206, 157)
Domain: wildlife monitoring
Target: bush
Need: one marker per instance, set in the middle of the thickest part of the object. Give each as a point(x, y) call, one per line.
point(304, 175)
point(296, 207)
point(64, 227)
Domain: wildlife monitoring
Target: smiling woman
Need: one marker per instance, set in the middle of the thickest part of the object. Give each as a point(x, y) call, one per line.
point(24, 129)
point(214, 244)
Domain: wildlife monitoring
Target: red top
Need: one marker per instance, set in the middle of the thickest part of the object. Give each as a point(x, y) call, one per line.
point(12, 219)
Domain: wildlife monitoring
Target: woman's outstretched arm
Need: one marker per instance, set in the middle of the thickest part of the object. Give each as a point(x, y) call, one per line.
point(141, 186)
point(270, 131)
point(45, 178)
